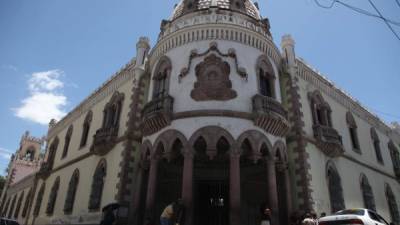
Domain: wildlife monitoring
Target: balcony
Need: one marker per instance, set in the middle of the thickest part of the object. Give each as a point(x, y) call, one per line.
point(328, 140)
point(270, 115)
point(104, 140)
point(157, 114)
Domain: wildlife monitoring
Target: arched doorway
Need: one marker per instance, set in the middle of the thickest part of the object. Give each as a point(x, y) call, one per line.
point(211, 182)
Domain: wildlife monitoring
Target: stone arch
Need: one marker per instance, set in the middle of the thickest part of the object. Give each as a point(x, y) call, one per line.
point(169, 137)
point(367, 194)
point(212, 134)
point(334, 187)
point(279, 151)
point(320, 109)
point(158, 149)
point(145, 150)
point(52, 152)
point(256, 139)
point(67, 141)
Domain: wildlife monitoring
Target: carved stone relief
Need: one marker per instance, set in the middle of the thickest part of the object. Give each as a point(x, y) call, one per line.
point(213, 81)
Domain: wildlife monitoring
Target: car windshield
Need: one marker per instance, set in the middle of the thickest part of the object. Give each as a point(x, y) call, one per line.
point(358, 212)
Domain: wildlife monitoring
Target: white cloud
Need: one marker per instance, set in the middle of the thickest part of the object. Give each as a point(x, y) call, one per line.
point(5, 153)
point(46, 100)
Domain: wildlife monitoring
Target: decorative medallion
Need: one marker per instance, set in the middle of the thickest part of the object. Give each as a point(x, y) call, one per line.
point(213, 80)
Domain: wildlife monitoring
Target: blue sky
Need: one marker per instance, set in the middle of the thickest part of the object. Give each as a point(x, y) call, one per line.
point(54, 53)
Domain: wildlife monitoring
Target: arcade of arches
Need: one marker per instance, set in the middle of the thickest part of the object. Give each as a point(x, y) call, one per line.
point(215, 175)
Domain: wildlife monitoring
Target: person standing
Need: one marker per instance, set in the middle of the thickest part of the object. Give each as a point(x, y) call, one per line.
point(265, 214)
point(172, 214)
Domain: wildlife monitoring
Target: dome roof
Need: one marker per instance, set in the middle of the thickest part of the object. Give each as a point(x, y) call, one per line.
point(244, 6)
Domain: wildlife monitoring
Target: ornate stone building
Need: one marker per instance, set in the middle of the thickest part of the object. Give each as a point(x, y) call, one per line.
point(216, 114)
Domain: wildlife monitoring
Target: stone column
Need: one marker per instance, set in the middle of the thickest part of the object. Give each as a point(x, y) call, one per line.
point(288, 192)
point(187, 187)
point(273, 192)
point(234, 189)
point(151, 188)
point(141, 170)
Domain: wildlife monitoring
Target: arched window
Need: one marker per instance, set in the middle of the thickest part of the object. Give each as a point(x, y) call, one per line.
point(53, 197)
point(161, 78)
point(86, 128)
point(393, 209)
point(67, 141)
point(97, 185)
point(10, 213)
point(16, 213)
point(352, 125)
point(394, 154)
point(377, 145)
point(52, 153)
point(26, 204)
point(321, 111)
point(334, 188)
point(39, 199)
point(72, 187)
point(30, 154)
point(112, 111)
point(368, 196)
point(266, 78)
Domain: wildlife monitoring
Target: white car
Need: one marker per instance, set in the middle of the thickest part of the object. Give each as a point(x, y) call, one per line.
point(353, 216)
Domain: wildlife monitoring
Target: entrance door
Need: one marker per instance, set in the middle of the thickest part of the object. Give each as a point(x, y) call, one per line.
point(212, 203)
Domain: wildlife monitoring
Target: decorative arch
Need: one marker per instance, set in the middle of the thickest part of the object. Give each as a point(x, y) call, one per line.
point(67, 141)
point(393, 208)
point(98, 185)
point(39, 199)
point(169, 138)
point(211, 135)
point(53, 197)
point(86, 128)
point(52, 152)
point(352, 125)
point(27, 203)
point(320, 109)
point(71, 193)
point(377, 145)
point(161, 77)
point(395, 155)
point(145, 150)
point(280, 152)
point(334, 187)
point(266, 77)
point(112, 110)
point(30, 153)
point(366, 190)
point(257, 140)
point(19, 203)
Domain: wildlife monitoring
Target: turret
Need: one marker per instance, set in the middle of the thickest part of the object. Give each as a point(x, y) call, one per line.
point(142, 49)
point(287, 46)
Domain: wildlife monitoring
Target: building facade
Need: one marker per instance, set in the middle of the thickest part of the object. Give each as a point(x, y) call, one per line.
point(216, 114)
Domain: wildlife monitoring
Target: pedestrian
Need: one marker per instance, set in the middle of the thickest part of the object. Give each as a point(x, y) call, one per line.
point(109, 217)
point(265, 214)
point(172, 214)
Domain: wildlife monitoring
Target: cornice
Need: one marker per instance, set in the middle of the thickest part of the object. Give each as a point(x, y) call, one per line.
point(310, 75)
point(105, 90)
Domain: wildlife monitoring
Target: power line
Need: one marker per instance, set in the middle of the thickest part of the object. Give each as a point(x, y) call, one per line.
point(398, 2)
point(386, 22)
point(358, 10)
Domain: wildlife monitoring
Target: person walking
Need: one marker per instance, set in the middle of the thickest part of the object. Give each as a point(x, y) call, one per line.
point(109, 217)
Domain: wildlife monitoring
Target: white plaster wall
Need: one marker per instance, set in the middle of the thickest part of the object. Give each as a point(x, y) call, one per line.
point(247, 58)
point(86, 169)
point(74, 149)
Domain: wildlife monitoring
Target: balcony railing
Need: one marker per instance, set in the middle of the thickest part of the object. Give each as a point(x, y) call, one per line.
point(270, 115)
point(157, 114)
point(104, 140)
point(329, 140)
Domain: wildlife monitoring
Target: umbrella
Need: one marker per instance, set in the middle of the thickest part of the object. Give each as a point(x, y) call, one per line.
point(111, 206)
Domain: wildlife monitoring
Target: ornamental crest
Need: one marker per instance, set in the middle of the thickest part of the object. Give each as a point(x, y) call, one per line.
point(213, 81)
